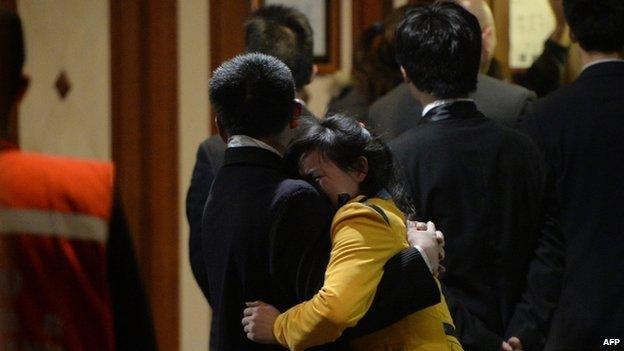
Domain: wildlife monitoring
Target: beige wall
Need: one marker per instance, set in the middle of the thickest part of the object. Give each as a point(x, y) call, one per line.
point(193, 66)
point(71, 35)
point(323, 87)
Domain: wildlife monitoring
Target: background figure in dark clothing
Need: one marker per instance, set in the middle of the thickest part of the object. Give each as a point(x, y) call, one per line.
point(64, 234)
point(481, 181)
point(375, 70)
point(398, 110)
point(546, 74)
point(575, 284)
point(264, 236)
point(281, 32)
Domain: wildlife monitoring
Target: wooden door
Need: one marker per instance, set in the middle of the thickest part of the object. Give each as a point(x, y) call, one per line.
point(145, 146)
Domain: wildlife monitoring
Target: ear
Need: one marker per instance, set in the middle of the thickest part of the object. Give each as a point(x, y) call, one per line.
point(406, 78)
point(486, 35)
point(361, 169)
point(487, 41)
point(315, 70)
point(295, 121)
point(220, 131)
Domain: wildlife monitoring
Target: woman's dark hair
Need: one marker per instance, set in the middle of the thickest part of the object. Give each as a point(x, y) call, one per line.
point(343, 141)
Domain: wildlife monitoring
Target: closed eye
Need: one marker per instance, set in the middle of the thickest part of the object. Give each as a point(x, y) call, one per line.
point(314, 177)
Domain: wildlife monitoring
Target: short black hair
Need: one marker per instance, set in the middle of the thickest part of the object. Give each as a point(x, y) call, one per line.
point(11, 58)
point(343, 140)
point(439, 45)
point(285, 33)
point(598, 25)
point(253, 95)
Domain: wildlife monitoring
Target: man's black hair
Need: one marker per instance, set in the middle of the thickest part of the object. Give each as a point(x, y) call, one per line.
point(285, 33)
point(11, 60)
point(598, 25)
point(439, 46)
point(253, 95)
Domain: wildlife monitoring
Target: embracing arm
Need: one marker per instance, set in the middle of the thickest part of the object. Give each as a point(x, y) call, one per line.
point(299, 243)
point(398, 297)
point(361, 247)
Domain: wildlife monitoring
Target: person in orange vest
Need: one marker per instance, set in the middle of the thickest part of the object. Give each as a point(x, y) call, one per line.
point(68, 275)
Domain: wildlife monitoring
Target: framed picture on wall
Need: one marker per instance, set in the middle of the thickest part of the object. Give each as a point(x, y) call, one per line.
point(324, 17)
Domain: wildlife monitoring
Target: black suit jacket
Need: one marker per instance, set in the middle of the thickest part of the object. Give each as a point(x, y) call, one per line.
point(398, 111)
point(482, 184)
point(575, 284)
point(266, 237)
point(209, 160)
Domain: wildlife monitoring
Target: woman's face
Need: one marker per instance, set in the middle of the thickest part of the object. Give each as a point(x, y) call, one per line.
point(331, 178)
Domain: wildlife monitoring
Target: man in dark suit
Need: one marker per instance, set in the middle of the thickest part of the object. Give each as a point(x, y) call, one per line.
point(281, 32)
point(394, 113)
point(575, 284)
point(481, 181)
point(265, 237)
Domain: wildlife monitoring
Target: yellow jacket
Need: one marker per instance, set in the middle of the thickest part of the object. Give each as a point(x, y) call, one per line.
point(362, 242)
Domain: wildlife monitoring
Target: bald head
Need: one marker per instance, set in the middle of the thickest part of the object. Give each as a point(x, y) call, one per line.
point(481, 10)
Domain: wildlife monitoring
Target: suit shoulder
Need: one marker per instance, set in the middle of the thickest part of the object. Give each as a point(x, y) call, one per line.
point(391, 97)
point(518, 139)
point(213, 143)
point(416, 135)
point(504, 87)
point(288, 189)
point(559, 98)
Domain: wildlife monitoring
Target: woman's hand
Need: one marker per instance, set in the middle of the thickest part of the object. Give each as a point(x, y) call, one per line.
point(430, 240)
point(258, 319)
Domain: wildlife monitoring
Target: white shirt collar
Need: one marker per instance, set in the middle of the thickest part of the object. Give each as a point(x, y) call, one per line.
point(593, 63)
point(244, 140)
point(442, 102)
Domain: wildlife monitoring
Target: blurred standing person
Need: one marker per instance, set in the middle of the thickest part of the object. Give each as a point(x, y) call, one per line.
point(68, 275)
point(575, 285)
point(375, 70)
point(546, 74)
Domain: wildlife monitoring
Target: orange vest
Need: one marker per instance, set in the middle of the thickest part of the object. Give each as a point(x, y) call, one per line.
point(54, 215)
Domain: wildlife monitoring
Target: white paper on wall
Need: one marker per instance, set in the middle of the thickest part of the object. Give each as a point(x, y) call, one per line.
point(530, 23)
